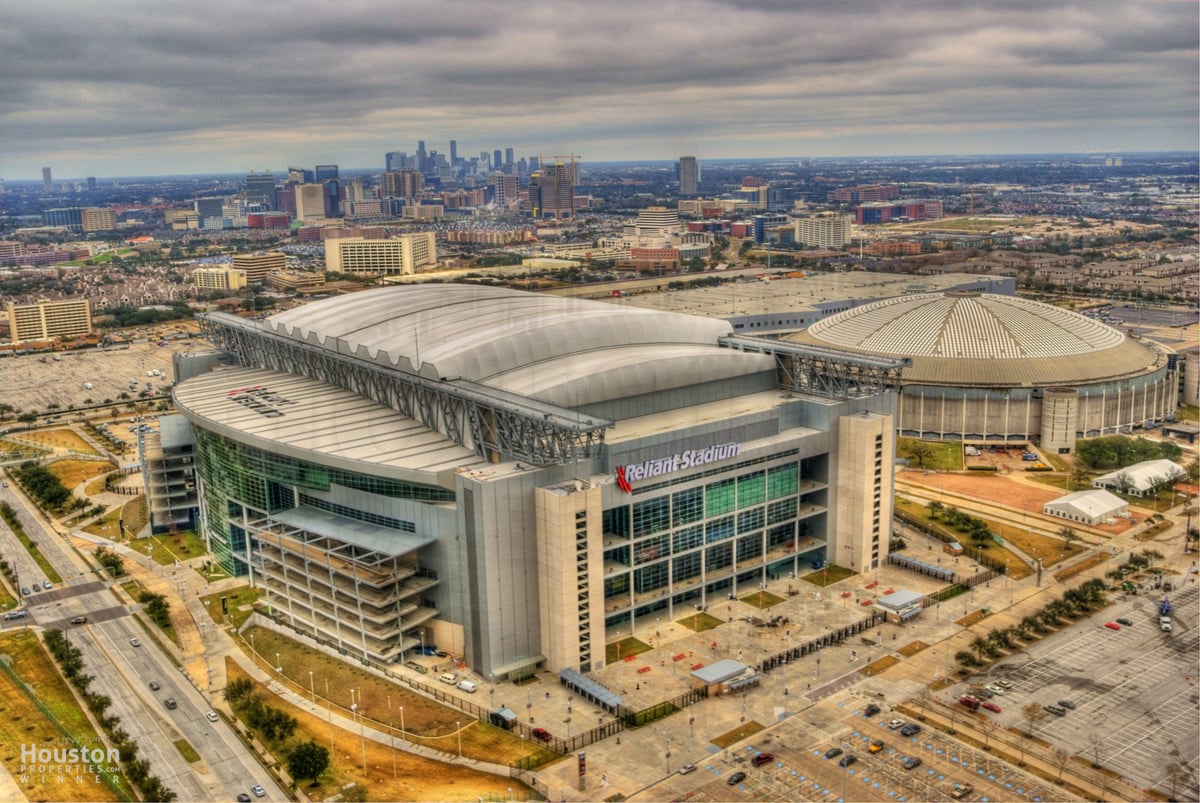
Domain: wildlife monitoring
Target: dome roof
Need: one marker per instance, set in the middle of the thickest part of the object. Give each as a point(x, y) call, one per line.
point(561, 350)
point(975, 338)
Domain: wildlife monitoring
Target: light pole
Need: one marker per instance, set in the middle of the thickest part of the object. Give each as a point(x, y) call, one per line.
point(458, 727)
point(253, 649)
point(311, 688)
point(402, 723)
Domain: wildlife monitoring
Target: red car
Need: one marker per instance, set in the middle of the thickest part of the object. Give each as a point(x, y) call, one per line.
point(1112, 625)
point(990, 706)
point(541, 734)
point(762, 758)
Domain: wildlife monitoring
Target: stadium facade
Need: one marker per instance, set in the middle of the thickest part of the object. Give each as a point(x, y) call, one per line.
point(521, 479)
point(996, 369)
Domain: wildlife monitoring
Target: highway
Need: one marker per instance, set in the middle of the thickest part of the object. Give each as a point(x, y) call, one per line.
point(123, 672)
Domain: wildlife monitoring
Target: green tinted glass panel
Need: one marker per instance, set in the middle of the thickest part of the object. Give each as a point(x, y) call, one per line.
point(719, 498)
point(751, 489)
point(781, 481)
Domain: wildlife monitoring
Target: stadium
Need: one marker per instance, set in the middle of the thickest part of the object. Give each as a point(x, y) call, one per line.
point(521, 479)
point(994, 369)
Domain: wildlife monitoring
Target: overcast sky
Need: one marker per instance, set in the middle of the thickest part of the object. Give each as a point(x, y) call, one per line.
point(136, 87)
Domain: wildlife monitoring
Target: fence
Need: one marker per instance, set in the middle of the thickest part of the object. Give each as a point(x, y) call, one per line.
point(834, 637)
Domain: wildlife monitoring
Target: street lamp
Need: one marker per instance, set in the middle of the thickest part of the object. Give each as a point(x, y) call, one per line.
point(458, 726)
point(402, 723)
point(312, 689)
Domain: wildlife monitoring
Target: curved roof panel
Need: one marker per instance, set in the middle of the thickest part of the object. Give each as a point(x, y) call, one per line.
point(570, 350)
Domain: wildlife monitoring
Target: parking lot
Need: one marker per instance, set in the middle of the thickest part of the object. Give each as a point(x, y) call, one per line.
point(1134, 691)
point(800, 770)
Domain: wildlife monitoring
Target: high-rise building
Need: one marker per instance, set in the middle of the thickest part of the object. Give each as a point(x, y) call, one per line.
point(47, 320)
point(552, 191)
point(91, 182)
point(47, 181)
point(209, 207)
point(398, 255)
point(98, 219)
point(421, 155)
point(496, 163)
point(219, 278)
point(825, 230)
point(508, 158)
point(310, 201)
point(504, 188)
point(260, 188)
point(395, 160)
point(401, 184)
point(325, 173)
point(689, 175)
point(453, 152)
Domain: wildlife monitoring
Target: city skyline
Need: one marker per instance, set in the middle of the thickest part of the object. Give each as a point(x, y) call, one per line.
point(230, 87)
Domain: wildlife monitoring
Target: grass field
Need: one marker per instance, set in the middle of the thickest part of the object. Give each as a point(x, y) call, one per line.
point(106, 525)
point(24, 449)
point(168, 547)
point(391, 774)
point(620, 650)
point(22, 722)
point(60, 439)
point(240, 601)
point(737, 734)
point(426, 721)
point(73, 472)
point(828, 576)
point(699, 622)
point(1017, 568)
point(187, 751)
point(942, 457)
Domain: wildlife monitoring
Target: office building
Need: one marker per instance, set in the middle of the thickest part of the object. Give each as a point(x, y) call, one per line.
point(825, 230)
point(395, 160)
point(47, 181)
point(219, 278)
point(508, 160)
point(98, 219)
point(421, 157)
point(885, 211)
point(310, 201)
point(91, 183)
point(68, 217)
point(453, 153)
point(689, 175)
point(866, 193)
point(256, 266)
point(325, 173)
point(505, 189)
point(209, 207)
point(398, 255)
point(47, 320)
point(523, 479)
point(260, 188)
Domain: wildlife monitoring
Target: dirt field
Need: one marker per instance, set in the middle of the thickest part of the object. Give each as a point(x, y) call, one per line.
point(73, 472)
point(413, 778)
point(988, 487)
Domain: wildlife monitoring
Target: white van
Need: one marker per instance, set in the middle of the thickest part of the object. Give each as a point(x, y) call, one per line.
point(448, 679)
point(467, 686)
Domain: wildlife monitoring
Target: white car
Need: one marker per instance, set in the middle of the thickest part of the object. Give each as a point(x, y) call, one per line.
point(135, 642)
point(211, 716)
point(895, 723)
point(996, 690)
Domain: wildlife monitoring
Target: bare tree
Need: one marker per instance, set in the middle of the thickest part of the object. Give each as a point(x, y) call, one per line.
point(1060, 760)
point(1032, 714)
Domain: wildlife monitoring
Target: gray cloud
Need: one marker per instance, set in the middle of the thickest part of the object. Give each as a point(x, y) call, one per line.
point(130, 86)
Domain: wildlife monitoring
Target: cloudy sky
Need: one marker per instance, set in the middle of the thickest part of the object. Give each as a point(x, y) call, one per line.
point(133, 87)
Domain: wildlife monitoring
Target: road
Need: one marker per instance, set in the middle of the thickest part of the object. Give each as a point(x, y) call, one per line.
point(123, 672)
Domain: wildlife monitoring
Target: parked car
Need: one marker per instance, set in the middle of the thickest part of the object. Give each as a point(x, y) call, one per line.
point(467, 686)
point(961, 790)
point(1125, 620)
point(243, 797)
point(25, 591)
point(154, 685)
point(686, 768)
point(911, 763)
point(911, 729)
point(736, 778)
point(541, 734)
point(47, 585)
point(448, 679)
point(996, 690)
point(990, 706)
point(872, 710)
point(875, 746)
point(972, 703)
point(833, 752)
point(1004, 684)
point(847, 760)
point(135, 642)
point(762, 758)
point(1112, 625)
point(79, 620)
point(1058, 711)
point(1067, 704)
point(37, 587)
point(895, 723)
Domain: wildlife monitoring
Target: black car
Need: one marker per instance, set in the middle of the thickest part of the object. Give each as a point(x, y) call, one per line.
point(847, 760)
point(1125, 620)
point(911, 763)
point(736, 778)
point(154, 685)
point(833, 752)
point(1067, 704)
point(911, 729)
point(872, 710)
point(243, 797)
